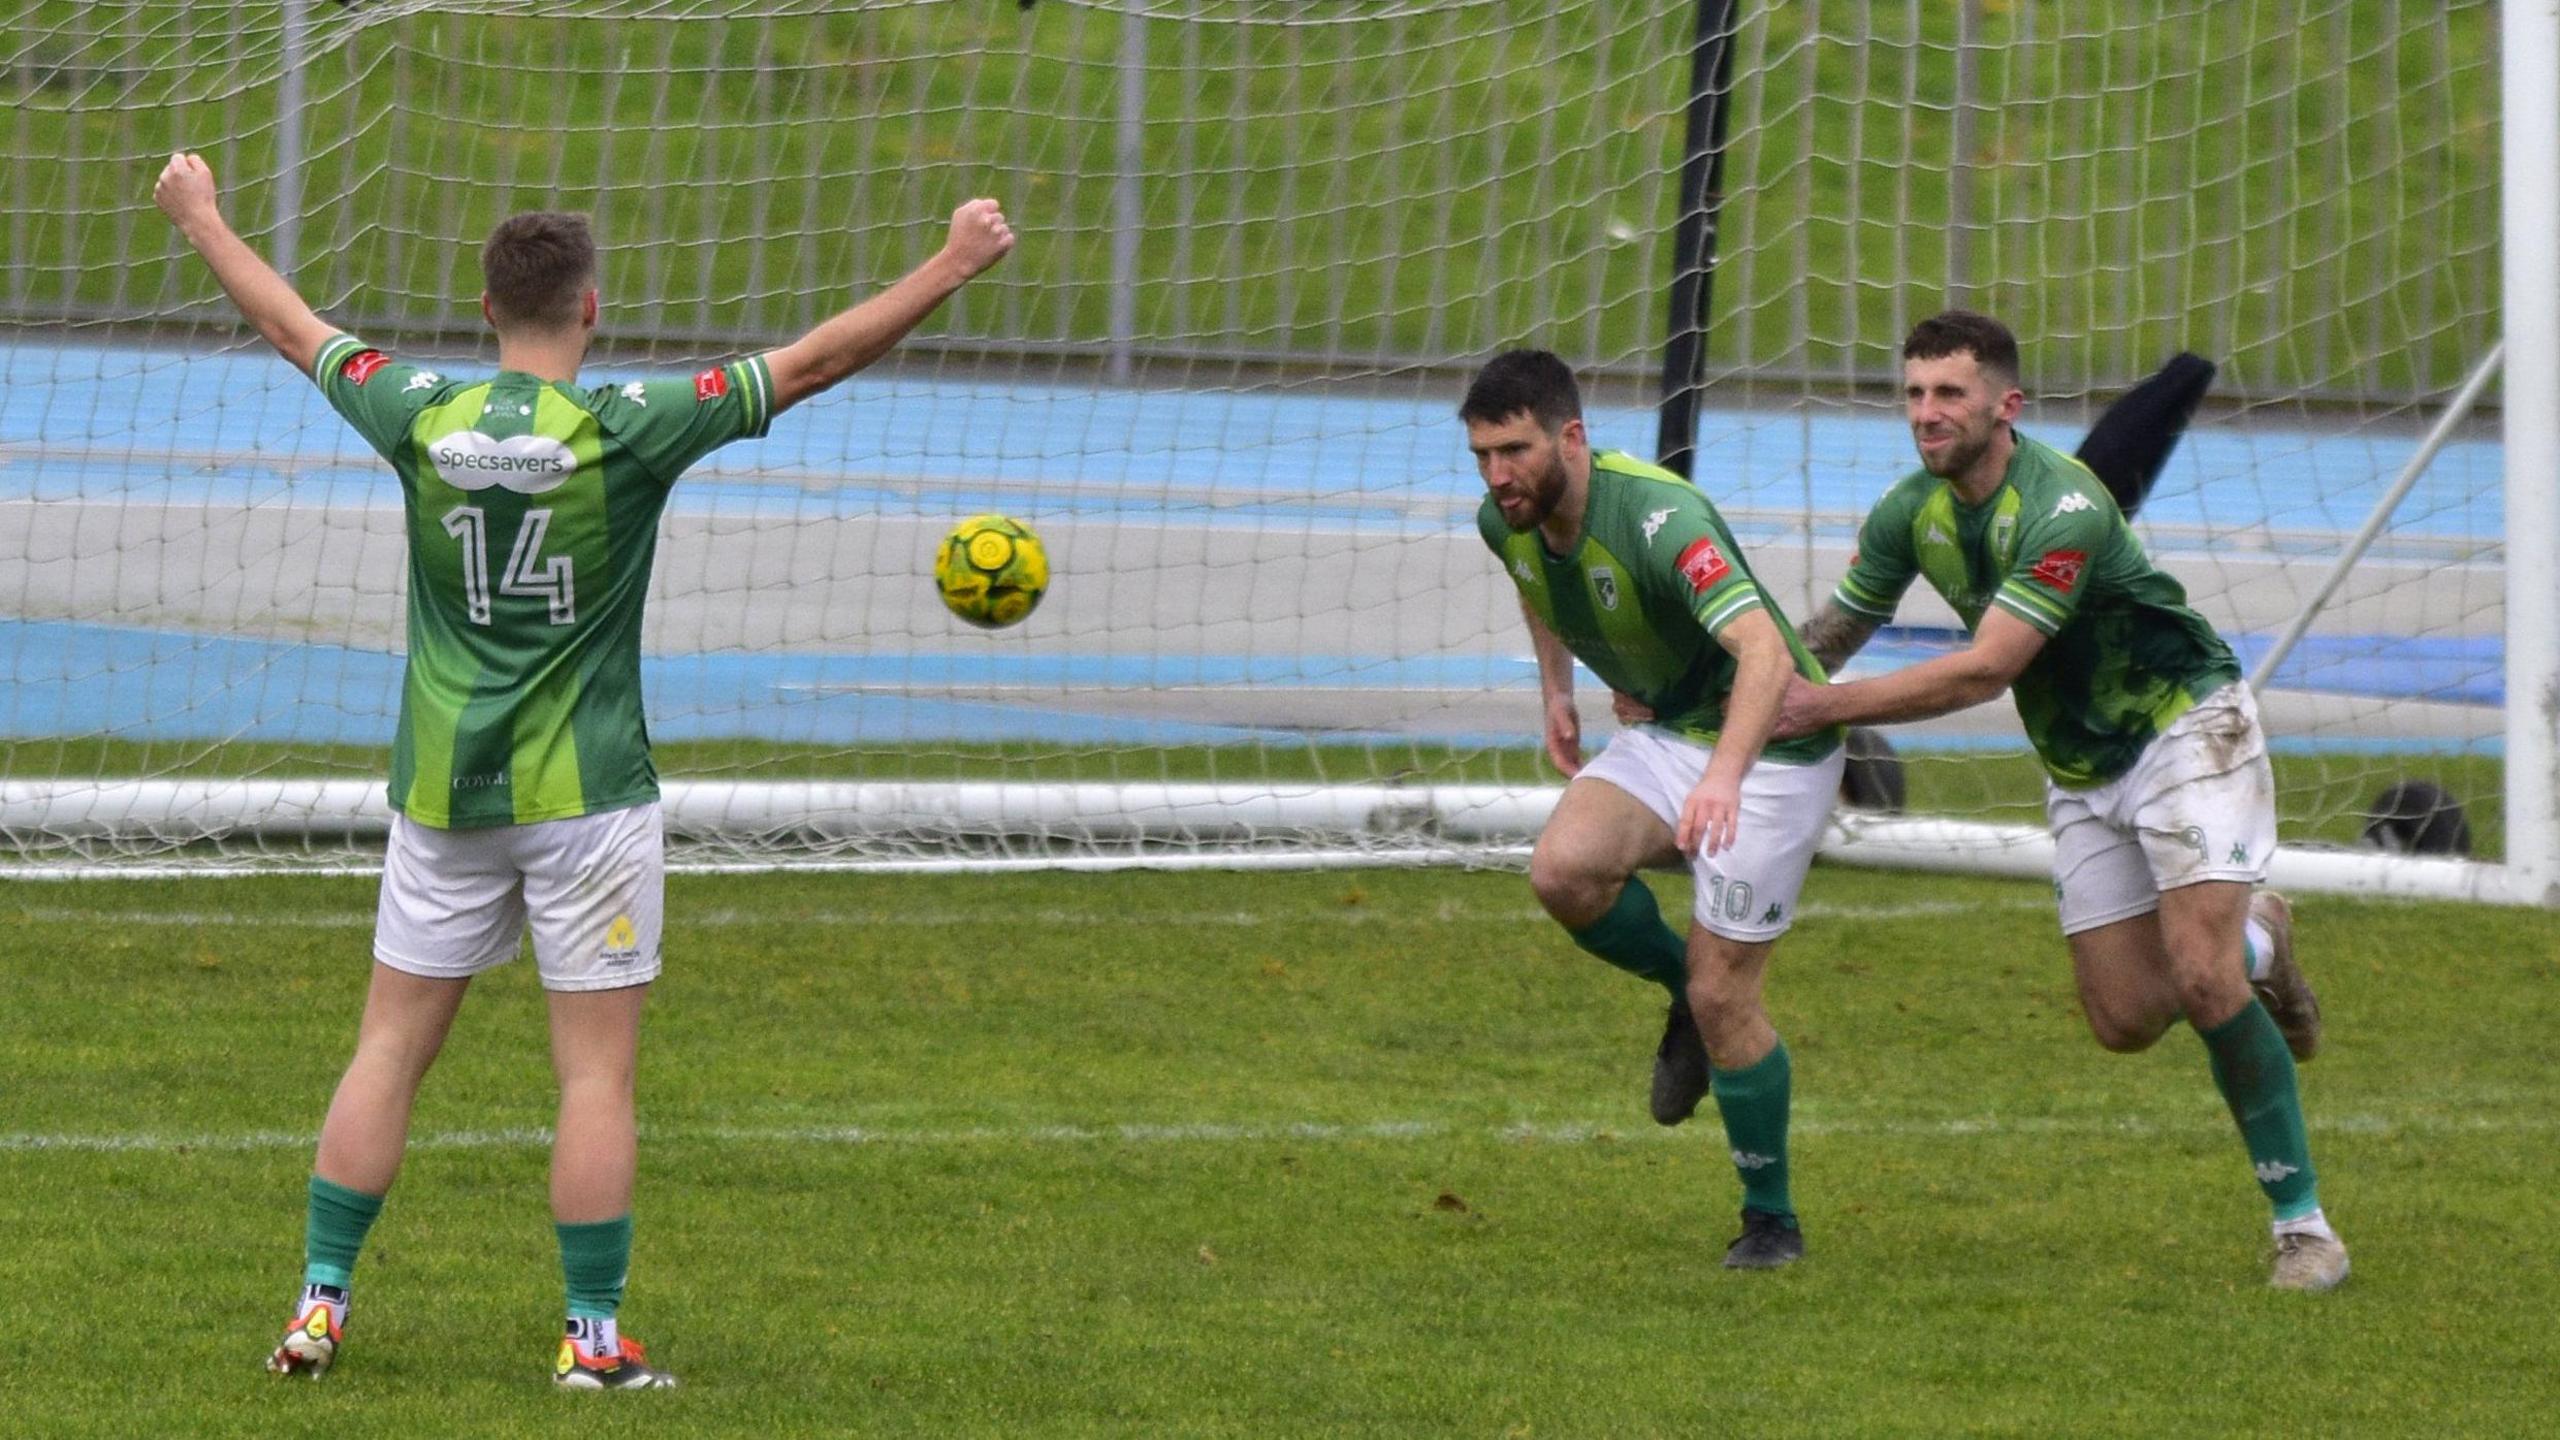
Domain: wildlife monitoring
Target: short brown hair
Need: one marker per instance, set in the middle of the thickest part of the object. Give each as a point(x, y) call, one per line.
point(1533, 382)
point(536, 266)
point(1954, 332)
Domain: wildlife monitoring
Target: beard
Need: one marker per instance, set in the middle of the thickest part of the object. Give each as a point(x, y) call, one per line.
point(1543, 495)
point(1960, 454)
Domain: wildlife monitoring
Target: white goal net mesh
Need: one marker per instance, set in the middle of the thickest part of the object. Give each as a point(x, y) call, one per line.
point(1264, 244)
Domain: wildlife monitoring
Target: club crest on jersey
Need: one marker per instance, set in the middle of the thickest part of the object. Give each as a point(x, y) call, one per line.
point(525, 464)
point(710, 385)
point(361, 365)
point(2060, 569)
point(1604, 586)
point(1702, 564)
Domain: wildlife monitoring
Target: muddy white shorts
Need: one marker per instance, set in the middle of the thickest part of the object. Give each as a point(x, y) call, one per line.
point(1748, 892)
point(456, 902)
point(2199, 805)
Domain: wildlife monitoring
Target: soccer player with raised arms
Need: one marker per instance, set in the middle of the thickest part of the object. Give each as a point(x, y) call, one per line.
point(1628, 567)
point(521, 774)
point(2158, 791)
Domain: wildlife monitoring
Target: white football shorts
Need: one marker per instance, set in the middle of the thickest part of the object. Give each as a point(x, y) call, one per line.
point(2199, 805)
point(456, 902)
point(1748, 892)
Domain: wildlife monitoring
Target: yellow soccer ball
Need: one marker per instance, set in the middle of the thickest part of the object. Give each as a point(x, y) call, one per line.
point(991, 571)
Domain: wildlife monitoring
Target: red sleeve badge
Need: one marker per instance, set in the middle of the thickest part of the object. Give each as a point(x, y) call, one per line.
point(711, 384)
point(361, 365)
point(2060, 569)
point(1702, 565)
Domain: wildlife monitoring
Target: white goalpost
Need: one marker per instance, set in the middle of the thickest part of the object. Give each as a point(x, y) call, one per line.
point(1265, 243)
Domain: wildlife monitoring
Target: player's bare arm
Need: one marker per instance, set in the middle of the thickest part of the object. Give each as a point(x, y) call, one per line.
point(2000, 650)
point(1562, 725)
point(186, 193)
point(841, 346)
point(1835, 633)
point(1712, 815)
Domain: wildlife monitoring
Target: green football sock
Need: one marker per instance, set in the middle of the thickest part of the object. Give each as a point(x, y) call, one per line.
point(595, 1258)
point(2255, 1074)
point(1633, 937)
point(335, 1220)
point(1753, 1101)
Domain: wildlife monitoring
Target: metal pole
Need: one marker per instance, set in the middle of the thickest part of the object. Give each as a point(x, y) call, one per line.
point(2454, 414)
point(288, 191)
point(2529, 191)
point(1126, 216)
point(1693, 242)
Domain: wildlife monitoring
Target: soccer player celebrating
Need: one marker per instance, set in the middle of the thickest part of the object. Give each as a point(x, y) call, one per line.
point(1628, 567)
point(521, 774)
point(2158, 790)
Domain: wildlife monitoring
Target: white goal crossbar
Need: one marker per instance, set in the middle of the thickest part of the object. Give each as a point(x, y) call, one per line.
point(967, 827)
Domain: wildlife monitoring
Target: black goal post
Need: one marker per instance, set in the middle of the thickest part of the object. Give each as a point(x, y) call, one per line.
point(1693, 238)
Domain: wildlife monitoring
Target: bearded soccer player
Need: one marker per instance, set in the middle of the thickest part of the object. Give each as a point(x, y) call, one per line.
point(2158, 790)
point(521, 774)
point(1628, 567)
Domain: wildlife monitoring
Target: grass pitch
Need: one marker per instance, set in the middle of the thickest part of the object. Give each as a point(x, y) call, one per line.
point(1271, 1155)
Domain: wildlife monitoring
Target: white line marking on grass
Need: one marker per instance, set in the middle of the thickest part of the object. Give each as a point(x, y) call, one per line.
point(1562, 1133)
point(1447, 912)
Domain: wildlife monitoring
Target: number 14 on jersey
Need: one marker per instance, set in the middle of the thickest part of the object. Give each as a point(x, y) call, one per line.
point(527, 573)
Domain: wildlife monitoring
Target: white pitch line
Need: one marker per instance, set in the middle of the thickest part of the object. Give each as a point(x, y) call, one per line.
point(1565, 1133)
point(1052, 918)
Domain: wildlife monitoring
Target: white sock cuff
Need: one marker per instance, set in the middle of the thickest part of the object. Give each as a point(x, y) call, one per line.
point(2262, 949)
point(2314, 1223)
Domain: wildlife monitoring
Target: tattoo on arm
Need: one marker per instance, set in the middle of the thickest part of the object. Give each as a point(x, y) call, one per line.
point(1835, 634)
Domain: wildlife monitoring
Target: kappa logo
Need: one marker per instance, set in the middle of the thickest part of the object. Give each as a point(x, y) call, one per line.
point(423, 380)
point(2239, 855)
point(1776, 913)
point(1937, 536)
point(1527, 572)
point(2060, 569)
point(637, 394)
point(1702, 565)
point(1745, 1160)
point(1604, 584)
point(1653, 524)
point(361, 365)
point(710, 385)
point(2074, 502)
point(2271, 1171)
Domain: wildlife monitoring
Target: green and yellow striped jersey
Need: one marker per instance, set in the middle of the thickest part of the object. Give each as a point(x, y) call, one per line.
point(2125, 657)
point(1653, 578)
point(532, 512)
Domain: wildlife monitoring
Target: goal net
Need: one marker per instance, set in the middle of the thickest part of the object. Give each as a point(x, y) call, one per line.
point(1265, 241)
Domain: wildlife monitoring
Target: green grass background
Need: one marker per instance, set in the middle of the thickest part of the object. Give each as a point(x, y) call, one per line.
point(2013, 1233)
point(2304, 190)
